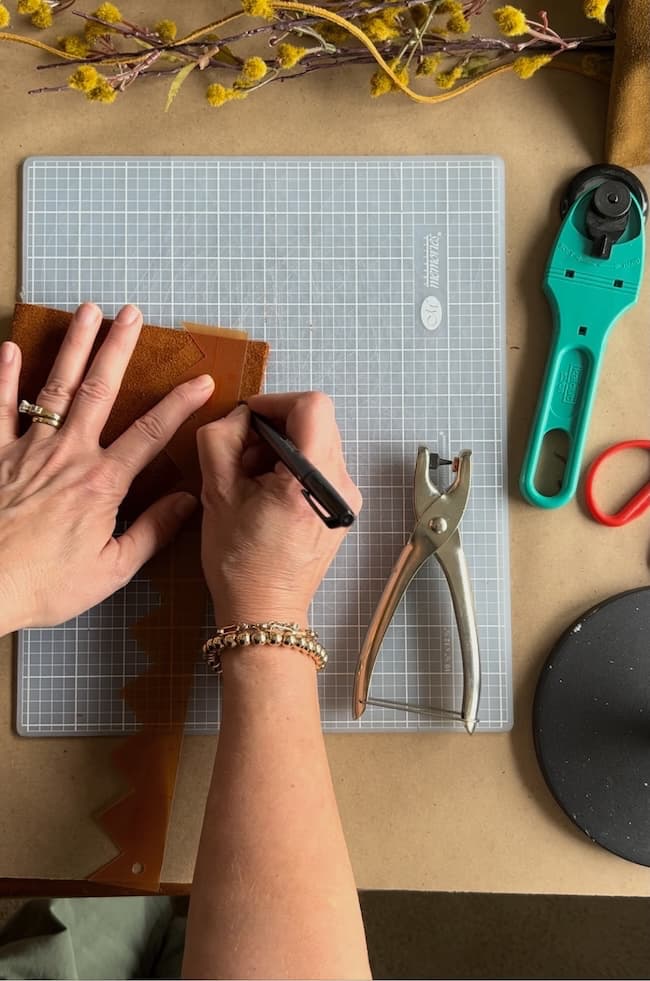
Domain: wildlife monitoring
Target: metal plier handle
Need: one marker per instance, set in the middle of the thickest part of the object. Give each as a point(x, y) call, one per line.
point(438, 515)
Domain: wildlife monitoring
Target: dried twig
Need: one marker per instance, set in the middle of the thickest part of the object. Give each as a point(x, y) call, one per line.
point(433, 35)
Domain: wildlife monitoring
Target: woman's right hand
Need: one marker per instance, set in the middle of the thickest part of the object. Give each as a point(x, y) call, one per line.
point(264, 549)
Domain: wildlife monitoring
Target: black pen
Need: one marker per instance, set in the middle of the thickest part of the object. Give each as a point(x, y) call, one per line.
point(319, 493)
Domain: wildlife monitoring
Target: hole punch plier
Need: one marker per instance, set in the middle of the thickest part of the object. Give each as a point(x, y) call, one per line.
point(438, 515)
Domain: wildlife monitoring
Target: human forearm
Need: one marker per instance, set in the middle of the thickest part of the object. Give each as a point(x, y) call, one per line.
point(273, 893)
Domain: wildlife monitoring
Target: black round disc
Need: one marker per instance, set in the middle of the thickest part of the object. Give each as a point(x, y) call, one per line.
point(591, 722)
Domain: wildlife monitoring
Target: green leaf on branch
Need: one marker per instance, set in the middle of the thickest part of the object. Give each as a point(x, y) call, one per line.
point(174, 88)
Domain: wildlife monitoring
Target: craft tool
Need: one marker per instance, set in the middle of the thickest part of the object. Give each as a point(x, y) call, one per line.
point(339, 263)
point(636, 506)
point(590, 721)
point(593, 276)
point(324, 499)
point(437, 519)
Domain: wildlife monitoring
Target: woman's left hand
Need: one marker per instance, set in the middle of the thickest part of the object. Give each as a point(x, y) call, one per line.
point(60, 490)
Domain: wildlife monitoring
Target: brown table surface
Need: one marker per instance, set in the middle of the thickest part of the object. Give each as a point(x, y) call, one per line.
point(420, 811)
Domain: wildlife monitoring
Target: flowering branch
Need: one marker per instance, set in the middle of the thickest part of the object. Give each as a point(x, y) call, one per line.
point(403, 38)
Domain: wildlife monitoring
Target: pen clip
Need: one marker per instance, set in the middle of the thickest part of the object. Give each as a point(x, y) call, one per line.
point(330, 520)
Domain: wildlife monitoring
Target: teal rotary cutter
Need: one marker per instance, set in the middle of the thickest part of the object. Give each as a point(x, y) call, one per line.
point(593, 276)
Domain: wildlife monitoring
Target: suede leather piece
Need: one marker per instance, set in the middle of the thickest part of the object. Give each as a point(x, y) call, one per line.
point(161, 360)
point(223, 357)
point(172, 633)
point(628, 122)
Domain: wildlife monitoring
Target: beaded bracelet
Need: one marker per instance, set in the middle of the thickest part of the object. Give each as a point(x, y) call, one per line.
point(258, 634)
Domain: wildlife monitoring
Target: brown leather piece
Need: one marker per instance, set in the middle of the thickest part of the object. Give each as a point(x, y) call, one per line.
point(170, 635)
point(224, 358)
point(39, 331)
point(628, 122)
point(162, 359)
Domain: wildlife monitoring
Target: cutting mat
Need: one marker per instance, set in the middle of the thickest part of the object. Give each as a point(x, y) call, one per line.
point(377, 280)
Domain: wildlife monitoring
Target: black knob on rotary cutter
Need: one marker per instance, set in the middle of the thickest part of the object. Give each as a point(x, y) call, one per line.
point(606, 218)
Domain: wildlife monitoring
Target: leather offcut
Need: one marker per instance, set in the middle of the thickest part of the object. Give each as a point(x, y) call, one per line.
point(172, 633)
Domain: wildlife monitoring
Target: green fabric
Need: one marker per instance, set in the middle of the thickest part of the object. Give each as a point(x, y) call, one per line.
point(127, 937)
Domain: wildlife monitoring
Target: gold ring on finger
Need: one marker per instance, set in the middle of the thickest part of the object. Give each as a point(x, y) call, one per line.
point(40, 414)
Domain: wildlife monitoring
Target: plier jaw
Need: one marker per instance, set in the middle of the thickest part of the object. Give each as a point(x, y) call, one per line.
point(436, 533)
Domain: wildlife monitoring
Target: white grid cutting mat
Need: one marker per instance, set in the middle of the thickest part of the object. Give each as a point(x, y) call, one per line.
point(345, 266)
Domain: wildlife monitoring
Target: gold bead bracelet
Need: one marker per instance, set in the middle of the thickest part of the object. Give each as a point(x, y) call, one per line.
point(272, 633)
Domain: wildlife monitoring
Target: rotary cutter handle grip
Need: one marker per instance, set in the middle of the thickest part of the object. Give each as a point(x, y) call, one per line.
point(551, 468)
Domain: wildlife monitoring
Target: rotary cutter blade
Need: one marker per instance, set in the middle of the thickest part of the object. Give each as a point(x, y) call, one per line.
point(593, 276)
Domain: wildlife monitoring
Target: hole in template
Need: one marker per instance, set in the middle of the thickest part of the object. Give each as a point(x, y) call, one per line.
point(137, 868)
point(618, 283)
point(582, 331)
point(569, 273)
point(552, 462)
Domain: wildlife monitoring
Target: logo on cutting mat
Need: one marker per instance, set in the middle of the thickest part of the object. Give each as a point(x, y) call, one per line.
point(431, 312)
point(430, 255)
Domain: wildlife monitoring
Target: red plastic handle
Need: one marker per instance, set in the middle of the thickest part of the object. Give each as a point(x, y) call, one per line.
point(635, 506)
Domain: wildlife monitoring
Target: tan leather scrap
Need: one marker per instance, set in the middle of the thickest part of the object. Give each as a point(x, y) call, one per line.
point(171, 635)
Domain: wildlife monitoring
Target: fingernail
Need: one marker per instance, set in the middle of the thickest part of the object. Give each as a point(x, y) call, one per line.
point(203, 382)
point(88, 314)
point(185, 505)
point(128, 315)
point(7, 352)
